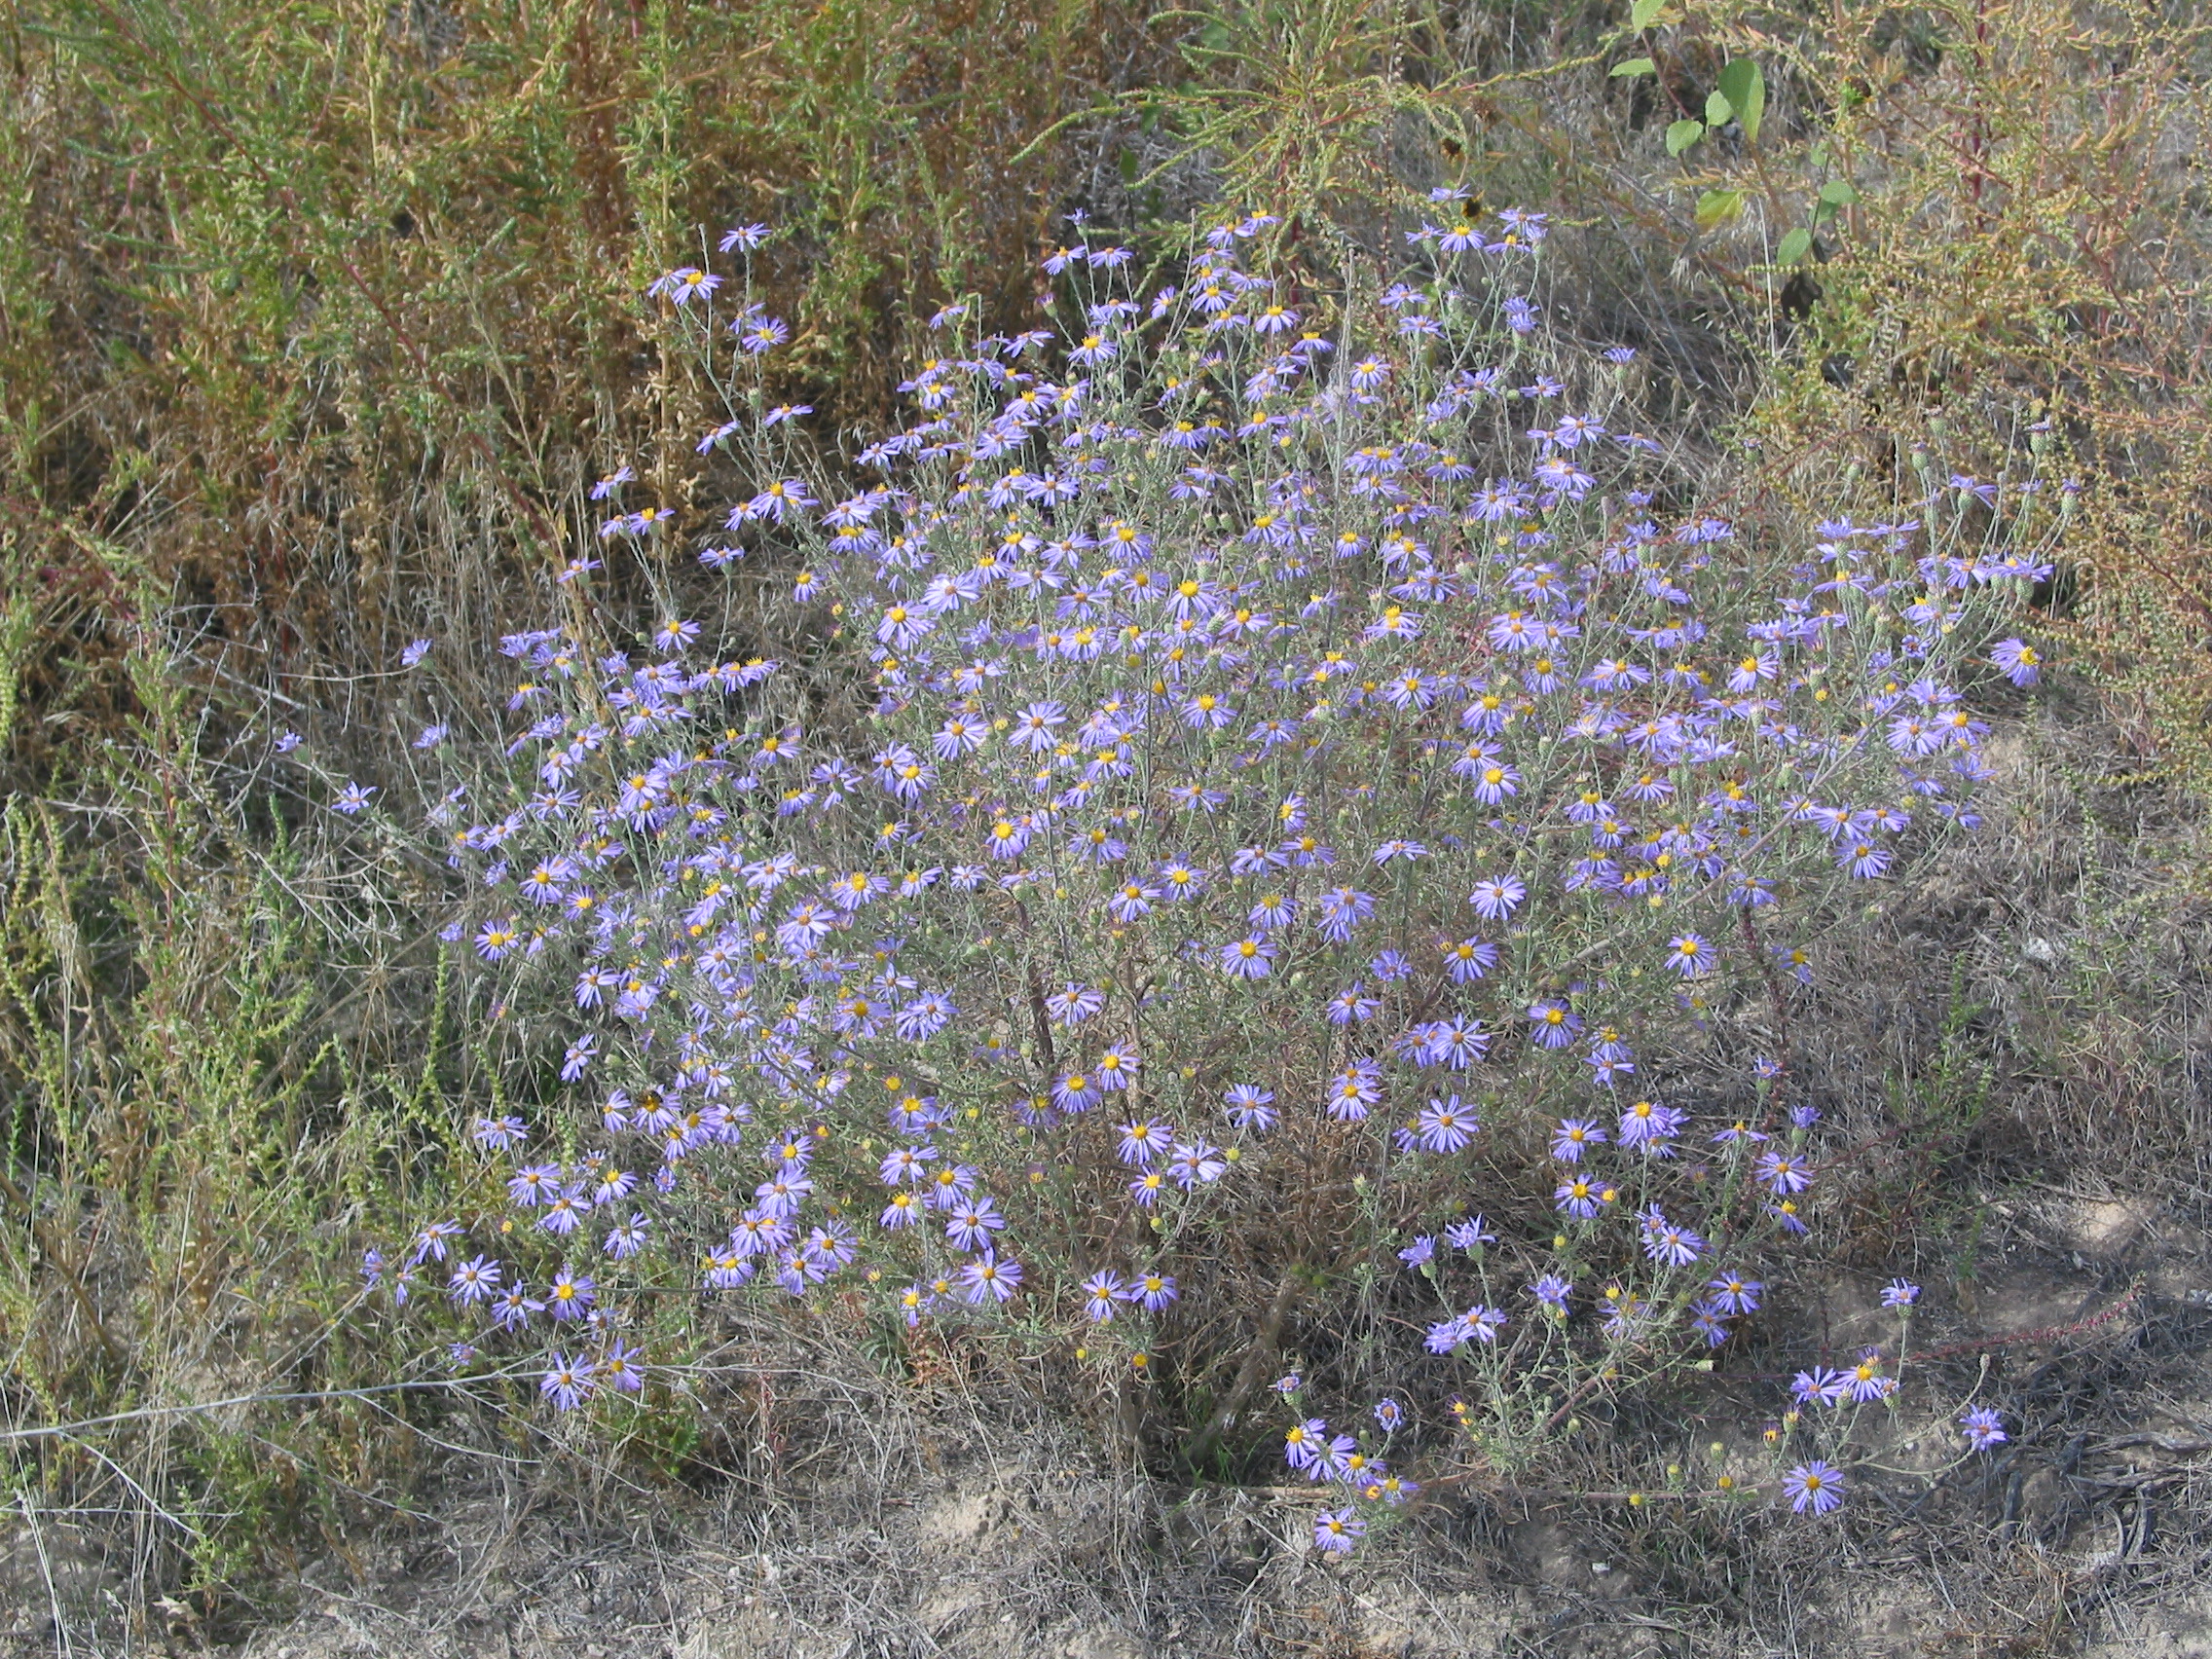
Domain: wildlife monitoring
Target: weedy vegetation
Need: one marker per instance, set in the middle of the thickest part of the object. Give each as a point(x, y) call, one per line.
point(1432, 771)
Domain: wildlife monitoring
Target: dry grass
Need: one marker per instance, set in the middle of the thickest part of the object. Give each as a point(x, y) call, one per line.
point(314, 321)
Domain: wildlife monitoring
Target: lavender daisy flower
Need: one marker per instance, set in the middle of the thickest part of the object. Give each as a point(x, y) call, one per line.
point(568, 1382)
point(1155, 1290)
point(1249, 958)
point(1446, 1126)
point(1470, 1235)
point(1101, 1293)
point(1982, 1427)
point(1250, 1107)
point(1304, 1443)
point(1572, 1135)
point(1336, 1531)
point(989, 1280)
point(2018, 660)
point(1815, 1486)
point(1496, 898)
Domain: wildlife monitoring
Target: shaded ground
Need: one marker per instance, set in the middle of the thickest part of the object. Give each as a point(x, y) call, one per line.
point(974, 1525)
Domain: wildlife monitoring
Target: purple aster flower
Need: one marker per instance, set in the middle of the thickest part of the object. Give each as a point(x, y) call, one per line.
point(1250, 958)
point(1819, 1386)
point(1446, 1125)
point(1304, 1443)
point(1784, 1173)
point(499, 1134)
point(1354, 1090)
point(1156, 1290)
point(1553, 1024)
point(568, 1382)
point(1649, 1125)
point(1195, 1166)
point(1250, 1107)
point(1690, 955)
point(1389, 1415)
point(1352, 1006)
point(1572, 1135)
point(1101, 1291)
point(970, 1225)
point(1732, 1294)
point(1420, 1252)
point(1552, 1291)
point(1453, 1042)
point(1141, 1143)
point(1899, 1293)
point(1497, 896)
point(475, 1281)
point(1341, 910)
point(1470, 1235)
point(571, 1295)
point(1669, 1243)
point(534, 1184)
point(2018, 660)
point(989, 1280)
point(1814, 1486)
point(1337, 1530)
point(621, 1370)
point(1467, 960)
point(1390, 966)
point(1445, 1335)
point(1983, 1428)
point(1582, 1197)
point(1864, 1380)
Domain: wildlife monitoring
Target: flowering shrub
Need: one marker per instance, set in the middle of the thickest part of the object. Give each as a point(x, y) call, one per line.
point(1259, 803)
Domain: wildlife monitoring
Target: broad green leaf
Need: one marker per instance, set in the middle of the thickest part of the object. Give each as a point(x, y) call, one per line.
point(1837, 193)
point(1642, 13)
point(1682, 134)
point(1794, 246)
point(1635, 66)
point(1718, 207)
point(1744, 89)
point(1718, 111)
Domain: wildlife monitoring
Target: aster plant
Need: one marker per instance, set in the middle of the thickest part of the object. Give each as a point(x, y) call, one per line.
point(1251, 788)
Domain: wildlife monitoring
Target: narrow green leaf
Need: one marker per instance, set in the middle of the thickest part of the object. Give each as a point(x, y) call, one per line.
point(1794, 246)
point(1644, 12)
point(1635, 66)
point(1744, 88)
point(1718, 207)
point(1682, 134)
point(1718, 111)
